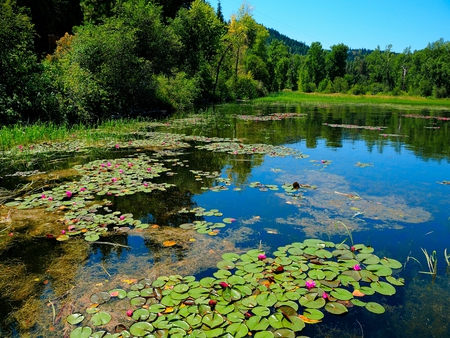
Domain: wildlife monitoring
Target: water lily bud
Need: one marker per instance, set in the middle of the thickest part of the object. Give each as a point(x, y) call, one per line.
point(122, 217)
point(325, 295)
point(129, 313)
point(63, 232)
point(212, 303)
point(352, 248)
point(261, 257)
point(224, 285)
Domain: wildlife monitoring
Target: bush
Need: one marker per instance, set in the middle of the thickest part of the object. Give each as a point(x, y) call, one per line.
point(340, 85)
point(440, 92)
point(245, 87)
point(178, 92)
point(357, 89)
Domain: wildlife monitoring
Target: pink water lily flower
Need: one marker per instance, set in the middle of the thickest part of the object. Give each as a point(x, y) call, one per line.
point(114, 179)
point(261, 257)
point(122, 217)
point(68, 193)
point(357, 267)
point(325, 295)
point(43, 196)
point(82, 189)
point(310, 284)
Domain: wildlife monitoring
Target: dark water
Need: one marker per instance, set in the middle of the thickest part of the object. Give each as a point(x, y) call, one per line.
point(377, 170)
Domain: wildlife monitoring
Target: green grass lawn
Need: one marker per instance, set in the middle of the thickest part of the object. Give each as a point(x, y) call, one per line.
point(319, 98)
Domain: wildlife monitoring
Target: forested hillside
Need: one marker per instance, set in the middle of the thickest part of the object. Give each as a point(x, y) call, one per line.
point(117, 56)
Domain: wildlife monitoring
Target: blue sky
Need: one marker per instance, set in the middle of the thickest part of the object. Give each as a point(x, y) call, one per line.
point(357, 24)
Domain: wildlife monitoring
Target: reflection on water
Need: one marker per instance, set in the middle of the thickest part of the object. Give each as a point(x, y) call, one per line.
point(375, 170)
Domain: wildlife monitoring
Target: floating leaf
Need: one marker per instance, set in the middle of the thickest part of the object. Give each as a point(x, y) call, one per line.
point(140, 329)
point(383, 288)
point(169, 243)
point(101, 318)
point(375, 307)
point(335, 308)
point(81, 332)
point(237, 330)
point(75, 318)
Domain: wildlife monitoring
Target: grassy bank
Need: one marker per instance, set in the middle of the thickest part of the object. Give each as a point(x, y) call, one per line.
point(324, 99)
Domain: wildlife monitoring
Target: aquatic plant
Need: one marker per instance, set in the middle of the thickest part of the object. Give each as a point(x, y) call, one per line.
point(249, 294)
point(431, 263)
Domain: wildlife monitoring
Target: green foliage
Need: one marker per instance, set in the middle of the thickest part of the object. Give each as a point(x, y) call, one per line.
point(245, 87)
point(20, 83)
point(179, 92)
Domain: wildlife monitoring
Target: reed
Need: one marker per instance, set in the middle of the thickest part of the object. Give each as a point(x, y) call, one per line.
point(431, 263)
point(349, 233)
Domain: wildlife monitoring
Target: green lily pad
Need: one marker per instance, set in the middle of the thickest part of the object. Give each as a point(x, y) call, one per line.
point(392, 263)
point(257, 323)
point(313, 314)
point(264, 334)
point(335, 308)
point(75, 318)
point(380, 270)
point(237, 330)
point(230, 256)
point(141, 329)
point(383, 288)
point(375, 307)
point(101, 318)
point(266, 299)
point(284, 333)
point(341, 294)
point(212, 320)
point(81, 332)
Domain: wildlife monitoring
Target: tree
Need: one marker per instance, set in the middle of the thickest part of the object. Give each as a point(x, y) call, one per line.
point(336, 61)
point(313, 69)
point(380, 65)
point(19, 71)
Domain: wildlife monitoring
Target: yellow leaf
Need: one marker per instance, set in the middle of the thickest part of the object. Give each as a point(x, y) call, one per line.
point(169, 243)
point(168, 309)
point(129, 281)
point(308, 320)
point(358, 293)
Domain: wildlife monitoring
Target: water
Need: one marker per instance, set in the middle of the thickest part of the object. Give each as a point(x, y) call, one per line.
point(379, 171)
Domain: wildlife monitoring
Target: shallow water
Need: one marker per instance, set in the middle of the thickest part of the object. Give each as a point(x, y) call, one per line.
point(379, 171)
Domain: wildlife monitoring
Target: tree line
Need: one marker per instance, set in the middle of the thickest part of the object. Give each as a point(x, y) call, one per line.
point(124, 56)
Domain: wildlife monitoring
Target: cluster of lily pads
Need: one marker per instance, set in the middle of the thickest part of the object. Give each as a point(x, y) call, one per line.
point(363, 164)
point(270, 117)
point(440, 118)
point(249, 294)
point(352, 126)
point(237, 148)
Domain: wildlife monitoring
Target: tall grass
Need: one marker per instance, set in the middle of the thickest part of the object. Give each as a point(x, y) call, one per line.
point(24, 135)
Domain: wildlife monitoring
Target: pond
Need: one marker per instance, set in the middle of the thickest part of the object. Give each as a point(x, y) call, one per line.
point(274, 220)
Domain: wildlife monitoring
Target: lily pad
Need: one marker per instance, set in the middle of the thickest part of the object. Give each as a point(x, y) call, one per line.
point(75, 318)
point(140, 329)
point(375, 307)
point(335, 308)
point(101, 318)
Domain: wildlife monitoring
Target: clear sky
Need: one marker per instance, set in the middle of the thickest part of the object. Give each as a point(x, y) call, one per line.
point(357, 24)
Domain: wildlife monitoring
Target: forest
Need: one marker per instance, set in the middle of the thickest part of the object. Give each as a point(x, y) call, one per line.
point(83, 62)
